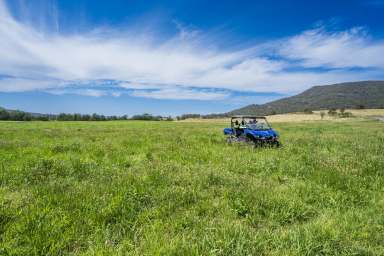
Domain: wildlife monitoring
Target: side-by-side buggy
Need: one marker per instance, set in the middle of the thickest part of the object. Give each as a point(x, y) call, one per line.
point(251, 129)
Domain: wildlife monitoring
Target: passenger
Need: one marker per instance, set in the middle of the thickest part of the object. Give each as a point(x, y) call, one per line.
point(243, 124)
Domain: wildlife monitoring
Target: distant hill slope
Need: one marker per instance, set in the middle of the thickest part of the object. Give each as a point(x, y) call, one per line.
point(365, 94)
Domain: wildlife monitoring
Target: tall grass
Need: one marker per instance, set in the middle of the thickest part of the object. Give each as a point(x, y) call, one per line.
point(177, 189)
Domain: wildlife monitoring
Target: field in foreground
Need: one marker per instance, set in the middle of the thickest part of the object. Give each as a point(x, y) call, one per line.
point(176, 188)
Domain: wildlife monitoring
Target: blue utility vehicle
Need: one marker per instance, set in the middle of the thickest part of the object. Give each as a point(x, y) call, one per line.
point(251, 129)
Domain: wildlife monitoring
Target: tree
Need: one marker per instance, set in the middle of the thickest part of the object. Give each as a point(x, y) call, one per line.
point(85, 117)
point(16, 115)
point(308, 111)
point(361, 107)
point(187, 116)
point(77, 117)
point(95, 117)
point(27, 117)
point(42, 118)
point(4, 115)
point(345, 114)
point(332, 112)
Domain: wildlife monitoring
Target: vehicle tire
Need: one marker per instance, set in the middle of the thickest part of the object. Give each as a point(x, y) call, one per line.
point(258, 143)
point(230, 139)
point(249, 140)
point(276, 144)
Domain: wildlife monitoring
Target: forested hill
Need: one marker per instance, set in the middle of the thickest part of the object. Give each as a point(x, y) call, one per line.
point(364, 94)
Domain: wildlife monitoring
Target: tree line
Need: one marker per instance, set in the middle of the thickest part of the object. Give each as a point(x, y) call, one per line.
point(208, 116)
point(16, 115)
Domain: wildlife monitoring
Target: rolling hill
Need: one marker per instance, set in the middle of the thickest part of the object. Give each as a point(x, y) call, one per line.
point(353, 95)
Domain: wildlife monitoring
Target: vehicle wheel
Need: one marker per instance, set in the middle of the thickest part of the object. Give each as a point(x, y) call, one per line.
point(230, 140)
point(258, 143)
point(276, 144)
point(247, 139)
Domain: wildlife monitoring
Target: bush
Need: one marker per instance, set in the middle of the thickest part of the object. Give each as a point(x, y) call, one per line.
point(147, 117)
point(4, 115)
point(332, 112)
point(345, 114)
point(187, 116)
point(308, 111)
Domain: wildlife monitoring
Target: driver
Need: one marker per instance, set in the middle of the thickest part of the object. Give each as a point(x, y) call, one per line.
point(243, 125)
point(237, 127)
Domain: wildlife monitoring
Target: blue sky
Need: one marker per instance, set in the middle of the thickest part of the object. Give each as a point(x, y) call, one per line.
point(173, 57)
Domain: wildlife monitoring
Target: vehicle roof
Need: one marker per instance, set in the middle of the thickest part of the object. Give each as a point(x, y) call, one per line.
point(240, 116)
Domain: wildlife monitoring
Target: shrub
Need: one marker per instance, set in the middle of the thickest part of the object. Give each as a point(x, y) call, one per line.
point(332, 112)
point(308, 111)
point(345, 114)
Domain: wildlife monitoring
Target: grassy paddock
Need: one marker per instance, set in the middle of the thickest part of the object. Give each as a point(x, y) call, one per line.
point(141, 188)
point(301, 117)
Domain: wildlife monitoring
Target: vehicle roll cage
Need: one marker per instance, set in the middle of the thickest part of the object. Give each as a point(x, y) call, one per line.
point(247, 117)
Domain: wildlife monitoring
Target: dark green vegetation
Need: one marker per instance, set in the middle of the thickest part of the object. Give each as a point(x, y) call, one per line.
point(16, 115)
point(147, 188)
point(354, 95)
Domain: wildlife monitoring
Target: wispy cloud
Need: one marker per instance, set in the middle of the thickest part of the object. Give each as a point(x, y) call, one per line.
point(83, 92)
point(176, 67)
point(181, 93)
point(345, 49)
point(15, 84)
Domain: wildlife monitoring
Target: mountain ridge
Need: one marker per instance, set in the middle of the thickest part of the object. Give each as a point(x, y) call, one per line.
point(354, 95)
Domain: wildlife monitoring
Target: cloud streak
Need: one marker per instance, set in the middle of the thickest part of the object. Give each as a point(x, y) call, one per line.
point(176, 67)
point(181, 94)
point(345, 49)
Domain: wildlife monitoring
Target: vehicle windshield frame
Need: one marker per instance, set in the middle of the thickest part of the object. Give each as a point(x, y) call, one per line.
point(245, 122)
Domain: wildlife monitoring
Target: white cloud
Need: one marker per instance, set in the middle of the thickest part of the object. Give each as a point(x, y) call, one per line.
point(130, 85)
point(83, 92)
point(91, 92)
point(116, 94)
point(11, 84)
point(42, 60)
point(180, 93)
point(345, 49)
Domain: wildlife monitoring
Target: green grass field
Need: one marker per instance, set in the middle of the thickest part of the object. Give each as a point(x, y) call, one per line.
point(176, 188)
